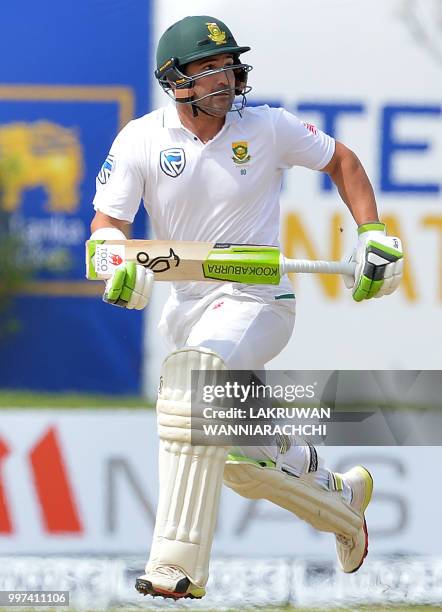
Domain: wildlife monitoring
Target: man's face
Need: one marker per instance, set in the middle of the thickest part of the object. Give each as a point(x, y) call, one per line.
point(223, 82)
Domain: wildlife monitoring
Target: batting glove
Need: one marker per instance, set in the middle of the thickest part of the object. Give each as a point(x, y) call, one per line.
point(130, 286)
point(379, 263)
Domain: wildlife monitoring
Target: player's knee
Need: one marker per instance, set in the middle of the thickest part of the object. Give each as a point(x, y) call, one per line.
point(182, 370)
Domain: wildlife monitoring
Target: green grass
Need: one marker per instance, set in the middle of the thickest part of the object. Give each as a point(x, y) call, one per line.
point(29, 399)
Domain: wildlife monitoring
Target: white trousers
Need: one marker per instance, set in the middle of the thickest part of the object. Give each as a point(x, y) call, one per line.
point(246, 329)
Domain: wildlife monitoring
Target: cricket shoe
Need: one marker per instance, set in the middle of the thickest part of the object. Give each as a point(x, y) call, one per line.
point(168, 582)
point(353, 550)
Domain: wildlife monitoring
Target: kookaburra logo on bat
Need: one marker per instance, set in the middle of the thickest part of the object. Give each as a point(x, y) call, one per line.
point(163, 263)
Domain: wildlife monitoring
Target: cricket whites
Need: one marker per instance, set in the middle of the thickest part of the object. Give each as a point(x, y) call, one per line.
point(203, 261)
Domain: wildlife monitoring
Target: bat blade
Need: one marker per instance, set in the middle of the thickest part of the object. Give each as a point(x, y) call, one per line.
point(186, 261)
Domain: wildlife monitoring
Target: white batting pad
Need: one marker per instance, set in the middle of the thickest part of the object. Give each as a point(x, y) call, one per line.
point(324, 510)
point(190, 476)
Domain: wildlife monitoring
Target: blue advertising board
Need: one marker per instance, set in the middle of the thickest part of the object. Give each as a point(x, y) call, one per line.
point(76, 74)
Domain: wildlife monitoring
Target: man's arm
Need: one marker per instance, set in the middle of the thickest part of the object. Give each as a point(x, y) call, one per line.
point(101, 220)
point(378, 257)
point(131, 284)
point(353, 184)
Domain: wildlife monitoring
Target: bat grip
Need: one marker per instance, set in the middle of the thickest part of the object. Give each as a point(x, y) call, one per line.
point(317, 266)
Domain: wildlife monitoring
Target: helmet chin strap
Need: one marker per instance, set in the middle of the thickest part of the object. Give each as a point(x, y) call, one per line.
point(195, 109)
point(185, 96)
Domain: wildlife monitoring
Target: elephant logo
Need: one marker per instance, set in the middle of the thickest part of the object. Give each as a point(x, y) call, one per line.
point(40, 154)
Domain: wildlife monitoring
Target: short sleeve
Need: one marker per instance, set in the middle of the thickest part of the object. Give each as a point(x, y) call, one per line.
point(120, 184)
point(300, 144)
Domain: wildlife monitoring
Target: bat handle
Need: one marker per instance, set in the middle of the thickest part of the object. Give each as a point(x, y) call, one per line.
point(317, 266)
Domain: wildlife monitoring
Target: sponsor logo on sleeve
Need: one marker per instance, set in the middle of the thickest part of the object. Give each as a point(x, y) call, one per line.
point(311, 128)
point(106, 169)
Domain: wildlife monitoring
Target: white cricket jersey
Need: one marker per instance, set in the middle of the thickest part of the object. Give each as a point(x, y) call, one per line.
point(225, 190)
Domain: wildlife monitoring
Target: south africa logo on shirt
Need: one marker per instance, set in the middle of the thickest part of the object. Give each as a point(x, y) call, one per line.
point(172, 161)
point(240, 152)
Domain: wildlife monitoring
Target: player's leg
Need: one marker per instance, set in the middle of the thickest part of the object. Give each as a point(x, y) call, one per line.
point(190, 479)
point(245, 332)
point(297, 481)
point(291, 475)
point(191, 476)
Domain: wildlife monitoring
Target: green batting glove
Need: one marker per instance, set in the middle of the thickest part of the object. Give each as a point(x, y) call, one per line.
point(130, 286)
point(379, 263)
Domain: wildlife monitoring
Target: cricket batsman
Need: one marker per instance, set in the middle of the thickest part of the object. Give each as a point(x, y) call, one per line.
point(208, 168)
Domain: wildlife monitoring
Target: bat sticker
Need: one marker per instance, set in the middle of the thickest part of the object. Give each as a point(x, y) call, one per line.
point(163, 263)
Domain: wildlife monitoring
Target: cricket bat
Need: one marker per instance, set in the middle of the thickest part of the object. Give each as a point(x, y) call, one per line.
point(203, 261)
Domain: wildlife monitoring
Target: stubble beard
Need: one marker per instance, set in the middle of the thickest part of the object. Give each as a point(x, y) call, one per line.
point(217, 106)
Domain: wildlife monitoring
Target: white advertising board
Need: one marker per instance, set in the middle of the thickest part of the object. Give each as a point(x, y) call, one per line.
point(76, 482)
point(370, 74)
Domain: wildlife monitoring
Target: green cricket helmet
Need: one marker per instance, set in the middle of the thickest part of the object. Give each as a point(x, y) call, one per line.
point(195, 38)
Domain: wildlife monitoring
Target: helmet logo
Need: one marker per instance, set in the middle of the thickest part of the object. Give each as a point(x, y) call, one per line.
point(240, 152)
point(215, 34)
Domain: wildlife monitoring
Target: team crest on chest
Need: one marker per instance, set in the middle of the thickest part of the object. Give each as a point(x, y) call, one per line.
point(240, 152)
point(172, 161)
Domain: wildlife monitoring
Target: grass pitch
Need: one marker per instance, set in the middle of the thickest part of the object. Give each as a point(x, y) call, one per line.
point(10, 398)
point(29, 399)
